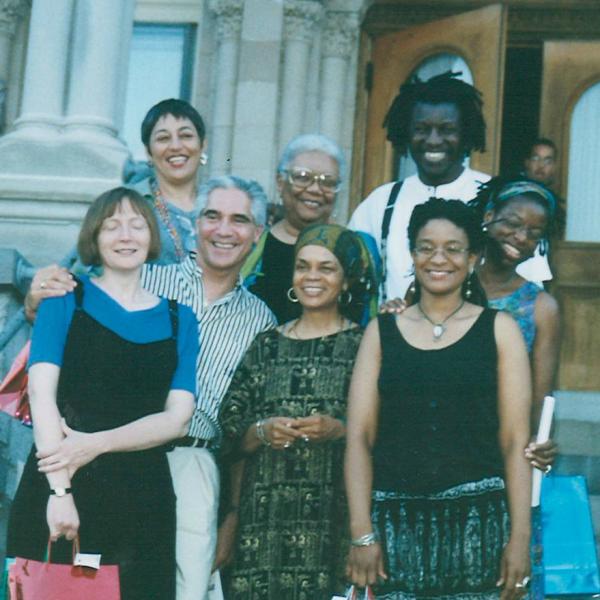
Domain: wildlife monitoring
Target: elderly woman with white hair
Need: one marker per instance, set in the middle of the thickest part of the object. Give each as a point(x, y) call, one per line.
point(309, 176)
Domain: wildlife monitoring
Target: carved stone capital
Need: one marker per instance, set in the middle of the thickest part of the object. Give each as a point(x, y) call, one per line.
point(300, 18)
point(340, 33)
point(10, 13)
point(229, 17)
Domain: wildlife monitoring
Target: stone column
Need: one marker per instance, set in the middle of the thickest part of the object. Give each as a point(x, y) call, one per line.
point(45, 68)
point(339, 41)
point(11, 11)
point(101, 41)
point(301, 18)
point(228, 15)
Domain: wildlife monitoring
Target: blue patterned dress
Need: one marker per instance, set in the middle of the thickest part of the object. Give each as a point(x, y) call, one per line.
point(521, 306)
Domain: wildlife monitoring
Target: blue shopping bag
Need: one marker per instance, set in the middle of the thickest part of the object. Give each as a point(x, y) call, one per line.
point(570, 561)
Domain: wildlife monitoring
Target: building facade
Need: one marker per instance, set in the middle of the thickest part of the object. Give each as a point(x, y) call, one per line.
point(77, 76)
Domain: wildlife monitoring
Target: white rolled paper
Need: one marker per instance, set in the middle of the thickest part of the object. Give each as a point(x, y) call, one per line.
point(543, 435)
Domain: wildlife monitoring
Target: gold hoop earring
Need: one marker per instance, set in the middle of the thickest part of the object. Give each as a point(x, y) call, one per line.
point(292, 295)
point(345, 300)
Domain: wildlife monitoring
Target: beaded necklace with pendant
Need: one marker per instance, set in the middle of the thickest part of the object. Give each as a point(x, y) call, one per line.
point(163, 213)
point(439, 328)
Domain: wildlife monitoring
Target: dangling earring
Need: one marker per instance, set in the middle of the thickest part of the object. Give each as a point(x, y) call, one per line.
point(150, 163)
point(469, 291)
point(412, 288)
point(203, 158)
point(484, 227)
point(292, 296)
point(345, 300)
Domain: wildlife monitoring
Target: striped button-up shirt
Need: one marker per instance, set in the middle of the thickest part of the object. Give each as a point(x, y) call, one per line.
point(226, 328)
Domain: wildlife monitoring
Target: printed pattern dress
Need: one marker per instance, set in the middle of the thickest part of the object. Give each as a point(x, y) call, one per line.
point(292, 542)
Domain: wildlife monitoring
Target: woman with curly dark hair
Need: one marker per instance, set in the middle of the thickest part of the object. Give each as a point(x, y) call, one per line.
point(438, 484)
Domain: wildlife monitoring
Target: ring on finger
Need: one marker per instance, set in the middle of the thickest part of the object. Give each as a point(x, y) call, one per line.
point(547, 469)
point(287, 444)
point(523, 583)
point(43, 285)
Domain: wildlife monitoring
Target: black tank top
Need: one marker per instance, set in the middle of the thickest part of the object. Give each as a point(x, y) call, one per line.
point(438, 418)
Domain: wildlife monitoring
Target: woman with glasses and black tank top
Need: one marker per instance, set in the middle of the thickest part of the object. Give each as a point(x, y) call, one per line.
point(438, 484)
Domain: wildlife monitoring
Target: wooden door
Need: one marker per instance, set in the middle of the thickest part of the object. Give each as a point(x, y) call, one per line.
point(479, 38)
point(569, 69)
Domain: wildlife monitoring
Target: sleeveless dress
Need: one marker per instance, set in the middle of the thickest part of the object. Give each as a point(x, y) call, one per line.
point(125, 501)
point(521, 306)
point(439, 503)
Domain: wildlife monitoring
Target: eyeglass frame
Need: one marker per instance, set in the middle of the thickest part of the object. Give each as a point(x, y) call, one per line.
point(448, 253)
point(518, 228)
point(316, 178)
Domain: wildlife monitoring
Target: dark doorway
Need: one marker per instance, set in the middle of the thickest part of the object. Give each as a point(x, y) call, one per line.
point(521, 106)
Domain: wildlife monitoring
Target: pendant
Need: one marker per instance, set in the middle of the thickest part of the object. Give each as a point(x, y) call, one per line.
point(438, 331)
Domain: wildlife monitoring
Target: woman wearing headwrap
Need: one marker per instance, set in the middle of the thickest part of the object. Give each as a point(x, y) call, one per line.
point(518, 216)
point(285, 413)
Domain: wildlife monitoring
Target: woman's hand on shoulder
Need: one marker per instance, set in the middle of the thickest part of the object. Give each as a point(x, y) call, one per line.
point(76, 450)
point(365, 565)
point(320, 428)
point(49, 282)
point(62, 517)
point(394, 306)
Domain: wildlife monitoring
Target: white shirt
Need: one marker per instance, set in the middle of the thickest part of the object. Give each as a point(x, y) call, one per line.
point(368, 217)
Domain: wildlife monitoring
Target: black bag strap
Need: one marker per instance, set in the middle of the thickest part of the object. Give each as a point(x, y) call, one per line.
point(385, 231)
point(174, 316)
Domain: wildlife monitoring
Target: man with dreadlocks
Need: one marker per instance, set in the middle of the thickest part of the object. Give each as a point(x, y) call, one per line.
point(440, 121)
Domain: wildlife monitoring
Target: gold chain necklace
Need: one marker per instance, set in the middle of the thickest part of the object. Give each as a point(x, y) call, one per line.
point(439, 328)
point(293, 328)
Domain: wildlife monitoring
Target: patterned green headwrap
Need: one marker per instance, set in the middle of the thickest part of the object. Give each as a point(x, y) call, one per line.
point(349, 248)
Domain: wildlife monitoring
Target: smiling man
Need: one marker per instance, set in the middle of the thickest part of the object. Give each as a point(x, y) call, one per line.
point(439, 121)
point(232, 216)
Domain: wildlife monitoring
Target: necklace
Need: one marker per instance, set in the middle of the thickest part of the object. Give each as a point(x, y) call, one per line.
point(163, 213)
point(293, 328)
point(439, 328)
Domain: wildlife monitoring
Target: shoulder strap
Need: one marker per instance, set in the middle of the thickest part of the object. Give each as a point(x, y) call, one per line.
point(385, 231)
point(387, 331)
point(174, 316)
point(78, 291)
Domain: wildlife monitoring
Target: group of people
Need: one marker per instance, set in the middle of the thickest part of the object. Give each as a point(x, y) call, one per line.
point(219, 404)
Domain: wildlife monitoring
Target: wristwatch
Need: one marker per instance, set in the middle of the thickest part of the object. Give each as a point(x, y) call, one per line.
point(59, 491)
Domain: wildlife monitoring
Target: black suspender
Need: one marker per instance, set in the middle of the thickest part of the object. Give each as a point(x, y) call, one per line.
point(385, 231)
point(174, 317)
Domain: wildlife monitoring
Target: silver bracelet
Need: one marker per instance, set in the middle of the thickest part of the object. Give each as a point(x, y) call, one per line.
point(260, 432)
point(365, 540)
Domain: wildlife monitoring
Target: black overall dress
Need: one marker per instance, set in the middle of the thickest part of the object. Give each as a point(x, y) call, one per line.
point(125, 501)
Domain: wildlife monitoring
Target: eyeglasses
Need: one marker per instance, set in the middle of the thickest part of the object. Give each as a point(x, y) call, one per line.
point(534, 234)
point(303, 178)
point(428, 251)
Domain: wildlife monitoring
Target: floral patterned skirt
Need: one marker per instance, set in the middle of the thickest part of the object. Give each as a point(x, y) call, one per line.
point(445, 545)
